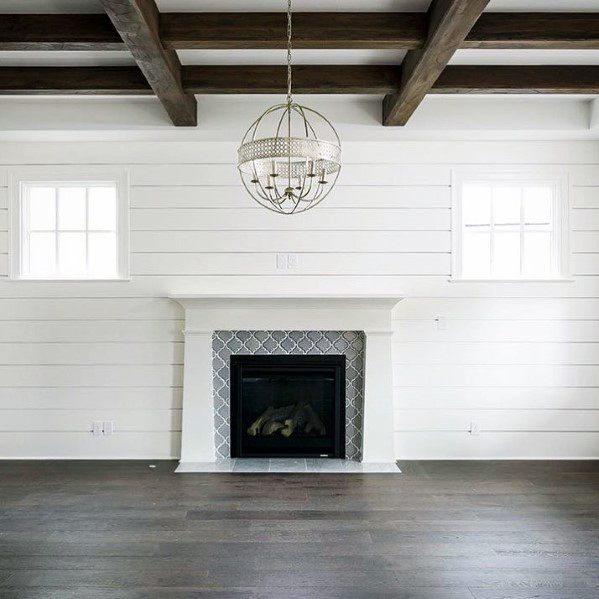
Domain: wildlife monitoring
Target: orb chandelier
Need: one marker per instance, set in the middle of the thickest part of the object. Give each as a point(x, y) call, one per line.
point(290, 157)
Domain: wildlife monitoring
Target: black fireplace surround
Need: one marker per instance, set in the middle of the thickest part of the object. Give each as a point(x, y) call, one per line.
point(288, 406)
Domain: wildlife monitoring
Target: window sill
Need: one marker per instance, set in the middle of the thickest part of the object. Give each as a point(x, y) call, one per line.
point(554, 280)
point(119, 280)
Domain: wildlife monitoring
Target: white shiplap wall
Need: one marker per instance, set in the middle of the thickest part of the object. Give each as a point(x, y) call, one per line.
point(521, 360)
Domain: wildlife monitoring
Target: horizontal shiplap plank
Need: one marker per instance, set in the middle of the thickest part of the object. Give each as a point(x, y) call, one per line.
point(226, 174)
point(290, 241)
point(90, 309)
point(111, 399)
point(499, 330)
point(3, 242)
point(384, 196)
point(435, 375)
point(361, 151)
point(3, 219)
point(516, 445)
point(584, 220)
point(91, 376)
point(585, 264)
point(89, 331)
point(81, 420)
point(398, 285)
point(126, 445)
point(497, 420)
point(496, 353)
point(498, 308)
point(583, 175)
point(585, 241)
point(585, 197)
point(91, 353)
point(311, 264)
point(189, 219)
point(496, 398)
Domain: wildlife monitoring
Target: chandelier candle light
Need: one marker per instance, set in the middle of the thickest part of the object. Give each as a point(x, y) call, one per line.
point(296, 168)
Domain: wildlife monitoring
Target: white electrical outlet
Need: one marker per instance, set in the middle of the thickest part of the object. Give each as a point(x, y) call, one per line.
point(108, 427)
point(286, 261)
point(281, 261)
point(97, 429)
point(474, 428)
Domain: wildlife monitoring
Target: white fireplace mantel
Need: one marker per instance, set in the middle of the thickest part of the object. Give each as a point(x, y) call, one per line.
point(206, 313)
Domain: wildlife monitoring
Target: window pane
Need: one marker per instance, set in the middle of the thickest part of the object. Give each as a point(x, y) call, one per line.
point(506, 205)
point(537, 254)
point(71, 254)
point(71, 208)
point(537, 204)
point(476, 205)
point(476, 254)
point(506, 254)
point(42, 254)
point(102, 255)
point(102, 208)
point(42, 208)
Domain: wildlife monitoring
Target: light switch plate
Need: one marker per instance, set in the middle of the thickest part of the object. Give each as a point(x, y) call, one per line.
point(108, 427)
point(97, 428)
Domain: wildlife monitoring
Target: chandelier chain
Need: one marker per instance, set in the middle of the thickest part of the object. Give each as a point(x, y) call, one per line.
point(289, 48)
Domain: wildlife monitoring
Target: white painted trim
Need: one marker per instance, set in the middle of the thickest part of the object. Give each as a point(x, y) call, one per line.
point(561, 211)
point(57, 174)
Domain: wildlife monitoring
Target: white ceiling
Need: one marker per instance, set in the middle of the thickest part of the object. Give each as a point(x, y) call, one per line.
point(91, 6)
point(299, 56)
point(524, 57)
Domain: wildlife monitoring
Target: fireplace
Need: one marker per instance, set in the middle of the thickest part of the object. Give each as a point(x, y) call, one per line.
point(288, 406)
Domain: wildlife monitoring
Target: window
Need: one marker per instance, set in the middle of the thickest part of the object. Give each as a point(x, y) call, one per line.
point(509, 226)
point(75, 228)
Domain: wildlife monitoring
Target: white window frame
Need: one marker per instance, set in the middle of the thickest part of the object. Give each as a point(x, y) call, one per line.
point(71, 175)
point(561, 210)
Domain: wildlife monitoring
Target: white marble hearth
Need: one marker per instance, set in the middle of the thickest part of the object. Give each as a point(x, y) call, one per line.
point(205, 314)
point(289, 466)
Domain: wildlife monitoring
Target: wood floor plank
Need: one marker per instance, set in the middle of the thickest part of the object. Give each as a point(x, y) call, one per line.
point(442, 530)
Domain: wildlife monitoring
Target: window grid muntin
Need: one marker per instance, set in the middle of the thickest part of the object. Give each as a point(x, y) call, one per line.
point(27, 186)
point(523, 227)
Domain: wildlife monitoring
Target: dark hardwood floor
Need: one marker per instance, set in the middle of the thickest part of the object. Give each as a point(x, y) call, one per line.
point(459, 530)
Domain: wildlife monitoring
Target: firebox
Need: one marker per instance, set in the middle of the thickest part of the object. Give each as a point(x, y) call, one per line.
point(288, 406)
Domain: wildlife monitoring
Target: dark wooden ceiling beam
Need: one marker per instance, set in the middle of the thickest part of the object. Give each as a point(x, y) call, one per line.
point(539, 79)
point(309, 79)
point(73, 80)
point(449, 24)
point(311, 30)
point(58, 32)
point(137, 22)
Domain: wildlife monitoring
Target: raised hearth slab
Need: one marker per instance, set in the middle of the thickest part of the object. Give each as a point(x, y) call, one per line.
point(289, 466)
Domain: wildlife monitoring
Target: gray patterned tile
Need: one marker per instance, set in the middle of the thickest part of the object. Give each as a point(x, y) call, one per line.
point(348, 343)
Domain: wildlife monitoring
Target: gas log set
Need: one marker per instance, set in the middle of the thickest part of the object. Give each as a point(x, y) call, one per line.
point(299, 418)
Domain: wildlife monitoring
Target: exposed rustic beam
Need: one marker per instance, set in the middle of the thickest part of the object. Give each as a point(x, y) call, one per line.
point(58, 32)
point(449, 24)
point(311, 30)
point(137, 22)
point(541, 31)
point(544, 79)
point(73, 80)
point(309, 79)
